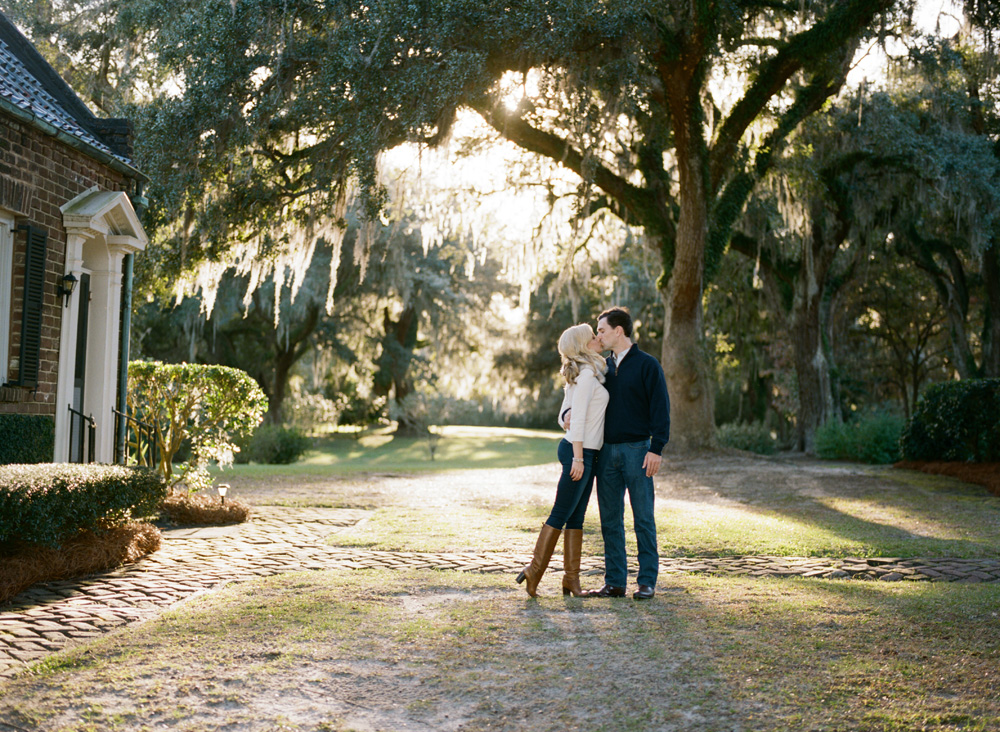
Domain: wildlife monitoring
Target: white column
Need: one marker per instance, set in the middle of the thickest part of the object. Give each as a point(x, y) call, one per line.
point(102, 352)
point(67, 350)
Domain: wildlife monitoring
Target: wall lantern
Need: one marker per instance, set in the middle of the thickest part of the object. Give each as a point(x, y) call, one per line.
point(66, 286)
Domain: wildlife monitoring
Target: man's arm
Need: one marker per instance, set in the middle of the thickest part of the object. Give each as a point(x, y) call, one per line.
point(659, 416)
point(659, 407)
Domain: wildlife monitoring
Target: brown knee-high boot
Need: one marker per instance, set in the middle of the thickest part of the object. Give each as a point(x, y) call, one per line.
point(544, 547)
point(572, 548)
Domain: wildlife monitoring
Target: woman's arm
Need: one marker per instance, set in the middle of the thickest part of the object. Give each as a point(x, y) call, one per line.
point(565, 409)
point(583, 393)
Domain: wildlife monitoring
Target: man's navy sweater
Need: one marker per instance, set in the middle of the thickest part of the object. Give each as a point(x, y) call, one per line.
point(638, 403)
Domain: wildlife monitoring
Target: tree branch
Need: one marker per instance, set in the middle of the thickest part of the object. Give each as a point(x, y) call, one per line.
point(836, 30)
point(515, 129)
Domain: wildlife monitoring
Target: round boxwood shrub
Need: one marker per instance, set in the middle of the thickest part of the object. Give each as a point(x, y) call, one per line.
point(956, 421)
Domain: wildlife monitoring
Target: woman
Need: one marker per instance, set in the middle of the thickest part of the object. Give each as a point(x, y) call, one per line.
point(585, 399)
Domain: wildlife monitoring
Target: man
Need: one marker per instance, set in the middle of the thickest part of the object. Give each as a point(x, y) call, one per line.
point(636, 429)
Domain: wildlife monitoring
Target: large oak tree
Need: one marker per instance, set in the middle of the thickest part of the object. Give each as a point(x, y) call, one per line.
point(670, 112)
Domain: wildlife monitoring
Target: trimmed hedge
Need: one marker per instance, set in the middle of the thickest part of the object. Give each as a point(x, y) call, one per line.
point(26, 438)
point(956, 421)
point(47, 504)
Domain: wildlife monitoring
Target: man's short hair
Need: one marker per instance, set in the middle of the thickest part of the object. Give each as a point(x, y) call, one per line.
point(618, 316)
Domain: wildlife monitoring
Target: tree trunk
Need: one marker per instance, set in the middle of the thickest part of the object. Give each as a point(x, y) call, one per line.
point(991, 313)
point(394, 368)
point(685, 360)
point(812, 364)
point(951, 284)
point(813, 371)
point(288, 351)
point(685, 357)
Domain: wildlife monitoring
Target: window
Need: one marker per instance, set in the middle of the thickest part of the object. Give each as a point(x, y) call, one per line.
point(6, 283)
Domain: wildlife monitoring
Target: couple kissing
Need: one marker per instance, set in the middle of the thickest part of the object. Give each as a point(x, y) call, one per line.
point(616, 413)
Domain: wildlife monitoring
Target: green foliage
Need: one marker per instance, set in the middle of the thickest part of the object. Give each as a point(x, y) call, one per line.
point(309, 412)
point(753, 437)
point(272, 445)
point(26, 438)
point(208, 405)
point(47, 504)
point(360, 411)
point(872, 439)
point(956, 421)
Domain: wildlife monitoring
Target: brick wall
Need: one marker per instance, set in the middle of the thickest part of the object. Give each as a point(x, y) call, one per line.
point(38, 174)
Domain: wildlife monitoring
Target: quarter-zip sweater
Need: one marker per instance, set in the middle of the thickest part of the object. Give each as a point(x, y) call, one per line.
point(638, 403)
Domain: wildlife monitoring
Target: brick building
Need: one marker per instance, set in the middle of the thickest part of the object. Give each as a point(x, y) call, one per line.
point(68, 232)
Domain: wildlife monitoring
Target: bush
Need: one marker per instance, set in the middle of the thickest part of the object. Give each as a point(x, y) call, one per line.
point(26, 438)
point(956, 421)
point(870, 439)
point(46, 504)
point(308, 412)
point(273, 445)
point(753, 437)
point(205, 405)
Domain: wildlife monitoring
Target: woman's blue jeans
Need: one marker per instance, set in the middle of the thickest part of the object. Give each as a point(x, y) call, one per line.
point(620, 469)
point(572, 496)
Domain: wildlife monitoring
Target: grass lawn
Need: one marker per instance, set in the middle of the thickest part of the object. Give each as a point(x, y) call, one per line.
point(490, 489)
point(377, 650)
point(377, 450)
point(419, 650)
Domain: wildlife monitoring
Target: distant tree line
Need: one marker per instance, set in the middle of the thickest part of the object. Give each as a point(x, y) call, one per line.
point(817, 251)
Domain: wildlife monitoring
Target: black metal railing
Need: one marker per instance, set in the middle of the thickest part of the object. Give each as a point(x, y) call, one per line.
point(139, 445)
point(82, 436)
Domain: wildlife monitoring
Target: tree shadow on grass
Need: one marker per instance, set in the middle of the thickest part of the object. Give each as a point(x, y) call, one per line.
point(876, 510)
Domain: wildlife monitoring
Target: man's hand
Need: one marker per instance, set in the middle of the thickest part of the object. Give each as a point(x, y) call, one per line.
point(569, 413)
point(651, 463)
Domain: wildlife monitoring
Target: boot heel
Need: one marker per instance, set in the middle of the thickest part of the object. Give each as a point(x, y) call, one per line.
point(544, 545)
point(567, 591)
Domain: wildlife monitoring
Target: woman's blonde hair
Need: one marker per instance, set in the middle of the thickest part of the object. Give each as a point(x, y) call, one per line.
point(575, 354)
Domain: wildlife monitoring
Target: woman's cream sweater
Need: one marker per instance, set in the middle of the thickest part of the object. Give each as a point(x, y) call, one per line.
point(588, 399)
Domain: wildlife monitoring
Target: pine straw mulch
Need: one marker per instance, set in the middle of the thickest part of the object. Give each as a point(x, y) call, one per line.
point(22, 564)
point(985, 474)
point(187, 508)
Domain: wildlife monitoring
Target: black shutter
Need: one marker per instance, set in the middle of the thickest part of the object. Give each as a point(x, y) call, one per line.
point(34, 300)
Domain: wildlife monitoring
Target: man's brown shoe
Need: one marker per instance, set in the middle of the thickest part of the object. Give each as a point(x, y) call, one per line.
point(645, 592)
point(606, 591)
